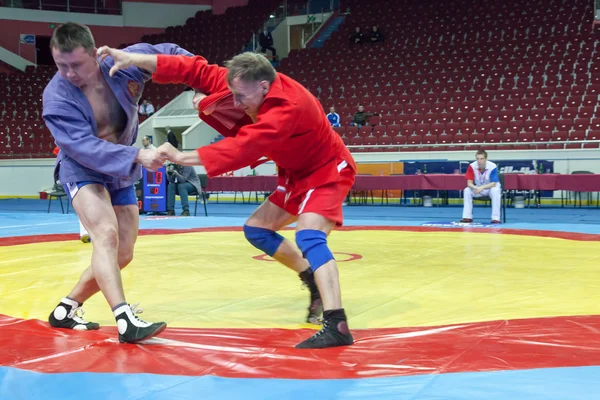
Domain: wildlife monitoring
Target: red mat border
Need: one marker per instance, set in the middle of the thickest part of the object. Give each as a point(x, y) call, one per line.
point(567, 341)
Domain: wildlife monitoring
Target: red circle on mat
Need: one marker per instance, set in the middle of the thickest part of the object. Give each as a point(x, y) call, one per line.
point(349, 257)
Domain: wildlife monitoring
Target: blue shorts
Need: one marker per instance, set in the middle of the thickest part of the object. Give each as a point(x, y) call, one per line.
point(119, 197)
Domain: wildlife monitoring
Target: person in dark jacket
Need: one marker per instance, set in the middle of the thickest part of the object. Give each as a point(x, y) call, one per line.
point(356, 37)
point(376, 35)
point(183, 181)
point(171, 138)
point(265, 40)
point(361, 118)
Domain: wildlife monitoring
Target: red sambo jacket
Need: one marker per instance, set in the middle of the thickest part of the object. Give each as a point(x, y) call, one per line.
point(291, 128)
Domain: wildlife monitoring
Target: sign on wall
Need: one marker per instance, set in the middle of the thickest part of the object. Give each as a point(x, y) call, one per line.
point(27, 38)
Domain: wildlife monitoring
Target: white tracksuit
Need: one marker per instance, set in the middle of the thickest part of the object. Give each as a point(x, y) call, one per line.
point(480, 178)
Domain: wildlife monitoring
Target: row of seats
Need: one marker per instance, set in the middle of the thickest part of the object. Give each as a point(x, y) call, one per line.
point(573, 107)
point(358, 145)
point(457, 136)
point(450, 18)
point(483, 127)
point(25, 139)
point(488, 68)
point(459, 78)
point(448, 70)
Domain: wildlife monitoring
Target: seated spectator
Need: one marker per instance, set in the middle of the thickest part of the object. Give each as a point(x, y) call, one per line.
point(482, 181)
point(183, 181)
point(265, 40)
point(356, 37)
point(361, 118)
point(146, 108)
point(376, 35)
point(147, 143)
point(333, 117)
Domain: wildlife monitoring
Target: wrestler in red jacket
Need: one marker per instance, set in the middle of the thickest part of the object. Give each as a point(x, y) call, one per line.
point(263, 113)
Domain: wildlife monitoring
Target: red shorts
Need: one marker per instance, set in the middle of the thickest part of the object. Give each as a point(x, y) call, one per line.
point(325, 200)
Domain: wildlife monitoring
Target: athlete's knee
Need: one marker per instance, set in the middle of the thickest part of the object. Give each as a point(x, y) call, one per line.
point(105, 235)
point(313, 245)
point(125, 257)
point(495, 189)
point(263, 239)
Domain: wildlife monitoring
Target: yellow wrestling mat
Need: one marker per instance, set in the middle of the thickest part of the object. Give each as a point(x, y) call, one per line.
point(390, 279)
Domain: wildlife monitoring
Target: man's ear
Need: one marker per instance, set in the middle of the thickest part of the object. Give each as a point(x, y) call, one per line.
point(265, 86)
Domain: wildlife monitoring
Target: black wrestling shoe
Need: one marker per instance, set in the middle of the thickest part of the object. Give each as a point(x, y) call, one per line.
point(334, 333)
point(315, 307)
point(133, 329)
point(68, 315)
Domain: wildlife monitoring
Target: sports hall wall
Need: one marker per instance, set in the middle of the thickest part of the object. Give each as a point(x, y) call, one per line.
point(10, 31)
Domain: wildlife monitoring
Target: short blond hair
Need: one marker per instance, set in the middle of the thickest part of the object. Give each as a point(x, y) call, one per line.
point(250, 67)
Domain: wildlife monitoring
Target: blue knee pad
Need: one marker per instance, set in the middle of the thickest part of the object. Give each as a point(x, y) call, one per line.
point(263, 239)
point(313, 245)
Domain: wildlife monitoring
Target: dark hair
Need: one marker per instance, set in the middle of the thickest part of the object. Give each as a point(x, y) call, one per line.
point(481, 152)
point(67, 37)
point(250, 67)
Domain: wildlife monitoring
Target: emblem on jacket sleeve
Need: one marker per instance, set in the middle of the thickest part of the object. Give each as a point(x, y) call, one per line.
point(134, 88)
